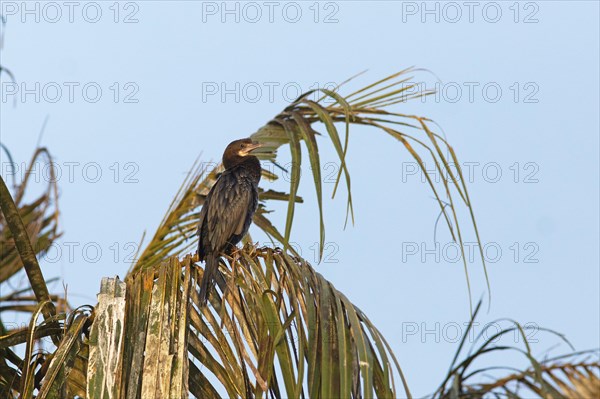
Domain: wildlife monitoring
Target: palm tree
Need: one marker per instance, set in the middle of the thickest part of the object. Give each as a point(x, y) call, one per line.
point(279, 329)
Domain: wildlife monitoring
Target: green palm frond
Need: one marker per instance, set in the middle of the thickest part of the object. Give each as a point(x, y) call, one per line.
point(279, 330)
point(298, 122)
point(180, 222)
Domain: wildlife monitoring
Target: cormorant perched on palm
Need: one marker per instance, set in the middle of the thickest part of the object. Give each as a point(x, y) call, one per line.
point(228, 209)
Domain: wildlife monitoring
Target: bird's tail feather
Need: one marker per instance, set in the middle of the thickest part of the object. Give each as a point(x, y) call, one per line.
point(211, 268)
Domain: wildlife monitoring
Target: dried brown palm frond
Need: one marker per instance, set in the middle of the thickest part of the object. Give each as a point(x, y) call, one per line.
point(27, 230)
point(40, 217)
point(574, 375)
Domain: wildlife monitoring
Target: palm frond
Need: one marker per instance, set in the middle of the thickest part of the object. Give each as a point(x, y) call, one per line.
point(27, 230)
point(280, 330)
point(574, 375)
point(298, 122)
point(39, 217)
point(17, 233)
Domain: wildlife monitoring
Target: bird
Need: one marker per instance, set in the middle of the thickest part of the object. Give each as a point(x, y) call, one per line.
point(227, 212)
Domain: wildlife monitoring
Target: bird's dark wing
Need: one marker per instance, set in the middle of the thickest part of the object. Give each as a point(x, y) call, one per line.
point(202, 215)
point(227, 213)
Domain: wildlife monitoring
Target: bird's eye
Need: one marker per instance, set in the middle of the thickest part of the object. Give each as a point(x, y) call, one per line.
point(243, 145)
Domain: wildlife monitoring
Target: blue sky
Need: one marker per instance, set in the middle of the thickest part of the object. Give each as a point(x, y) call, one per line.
point(135, 92)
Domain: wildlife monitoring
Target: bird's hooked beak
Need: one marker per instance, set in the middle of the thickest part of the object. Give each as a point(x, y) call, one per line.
point(249, 148)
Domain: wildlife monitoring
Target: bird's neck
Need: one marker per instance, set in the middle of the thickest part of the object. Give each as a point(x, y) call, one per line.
point(249, 163)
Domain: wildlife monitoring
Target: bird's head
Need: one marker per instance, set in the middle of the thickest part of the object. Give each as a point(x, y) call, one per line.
point(238, 151)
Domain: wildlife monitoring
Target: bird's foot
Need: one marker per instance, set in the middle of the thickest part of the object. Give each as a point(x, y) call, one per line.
point(235, 253)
